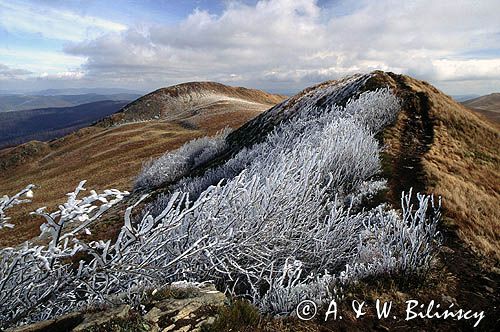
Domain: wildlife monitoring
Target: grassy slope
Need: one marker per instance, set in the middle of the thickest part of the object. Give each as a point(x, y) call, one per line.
point(436, 146)
point(190, 100)
point(108, 157)
point(463, 165)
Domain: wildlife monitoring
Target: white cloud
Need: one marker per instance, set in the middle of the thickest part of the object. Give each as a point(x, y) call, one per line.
point(40, 61)
point(8, 73)
point(285, 45)
point(64, 75)
point(20, 17)
point(473, 69)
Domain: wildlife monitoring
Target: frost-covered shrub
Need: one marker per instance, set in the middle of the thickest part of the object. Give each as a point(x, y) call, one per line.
point(288, 195)
point(176, 164)
point(291, 287)
point(389, 244)
point(277, 222)
point(310, 122)
point(7, 202)
point(35, 283)
point(404, 244)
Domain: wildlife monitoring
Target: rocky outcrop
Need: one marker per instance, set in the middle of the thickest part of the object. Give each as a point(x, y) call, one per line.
point(187, 314)
point(172, 309)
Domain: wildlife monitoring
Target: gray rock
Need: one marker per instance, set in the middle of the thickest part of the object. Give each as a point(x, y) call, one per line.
point(63, 323)
point(169, 314)
point(103, 317)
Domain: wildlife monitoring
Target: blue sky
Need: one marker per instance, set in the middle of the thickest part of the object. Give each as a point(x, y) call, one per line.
point(277, 45)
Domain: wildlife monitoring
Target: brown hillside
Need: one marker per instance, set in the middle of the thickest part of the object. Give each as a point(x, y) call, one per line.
point(488, 106)
point(192, 102)
point(439, 146)
point(110, 155)
point(436, 145)
point(442, 147)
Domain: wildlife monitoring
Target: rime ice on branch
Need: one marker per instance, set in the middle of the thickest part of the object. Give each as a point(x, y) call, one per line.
point(7, 202)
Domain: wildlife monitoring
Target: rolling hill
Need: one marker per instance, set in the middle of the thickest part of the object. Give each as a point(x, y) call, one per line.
point(112, 152)
point(488, 106)
point(450, 148)
point(48, 123)
point(436, 146)
point(195, 104)
point(84, 91)
point(462, 98)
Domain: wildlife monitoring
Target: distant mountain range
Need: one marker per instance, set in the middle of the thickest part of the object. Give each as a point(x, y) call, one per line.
point(17, 102)
point(48, 123)
point(71, 91)
point(488, 106)
point(81, 91)
point(461, 98)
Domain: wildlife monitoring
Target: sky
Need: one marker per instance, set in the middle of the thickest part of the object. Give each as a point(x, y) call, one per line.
point(280, 46)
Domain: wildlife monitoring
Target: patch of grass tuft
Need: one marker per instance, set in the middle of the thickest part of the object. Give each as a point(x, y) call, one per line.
point(240, 315)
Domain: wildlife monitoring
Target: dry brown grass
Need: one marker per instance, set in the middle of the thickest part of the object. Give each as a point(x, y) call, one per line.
point(461, 163)
point(463, 166)
point(191, 99)
point(486, 106)
point(105, 157)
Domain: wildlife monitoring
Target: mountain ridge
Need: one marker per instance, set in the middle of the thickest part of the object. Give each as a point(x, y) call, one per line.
point(436, 146)
point(49, 123)
point(487, 105)
point(174, 102)
point(21, 102)
point(428, 142)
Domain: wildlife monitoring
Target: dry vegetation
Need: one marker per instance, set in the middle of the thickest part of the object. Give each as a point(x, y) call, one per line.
point(109, 156)
point(193, 100)
point(457, 156)
point(463, 166)
point(105, 157)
